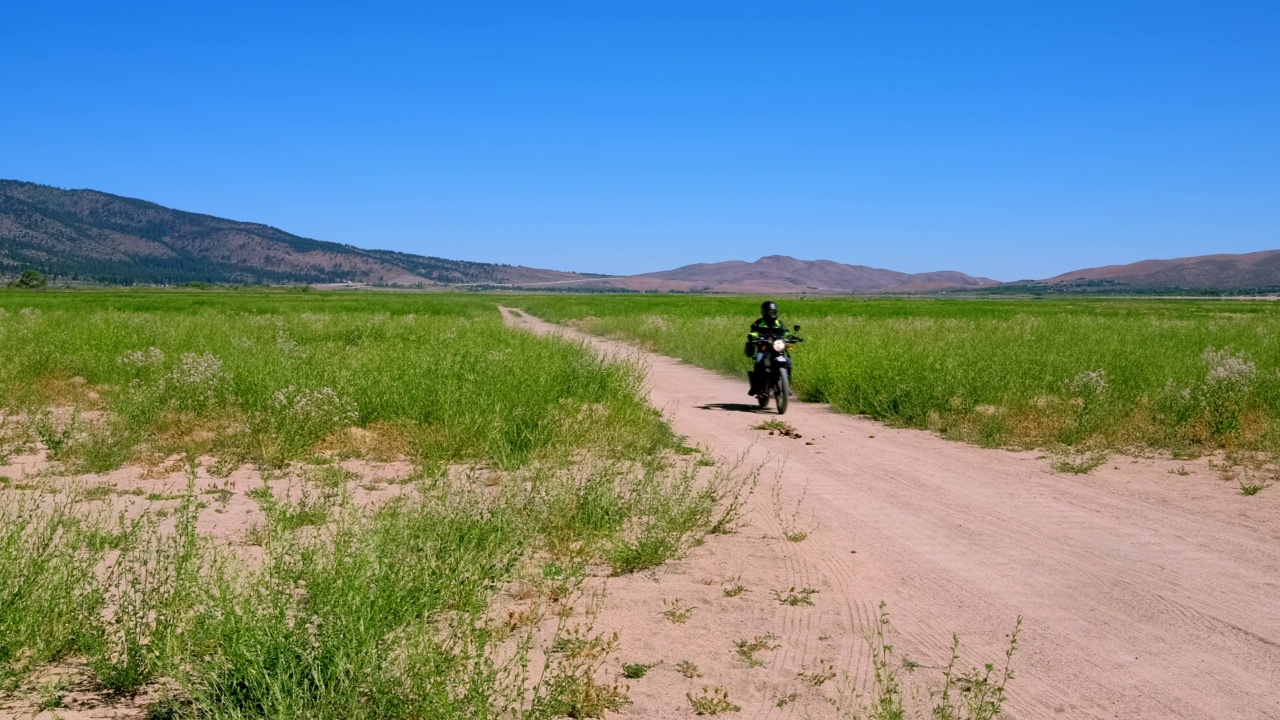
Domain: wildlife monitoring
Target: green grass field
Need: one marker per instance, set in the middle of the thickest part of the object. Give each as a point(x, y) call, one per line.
point(1182, 375)
point(266, 376)
point(344, 610)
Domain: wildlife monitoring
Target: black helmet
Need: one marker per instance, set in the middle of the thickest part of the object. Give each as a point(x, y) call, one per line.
point(769, 310)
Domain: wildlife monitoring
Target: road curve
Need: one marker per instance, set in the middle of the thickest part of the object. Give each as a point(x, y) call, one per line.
point(1145, 594)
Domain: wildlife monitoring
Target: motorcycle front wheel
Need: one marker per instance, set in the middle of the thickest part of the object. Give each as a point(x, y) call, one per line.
point(782, 391)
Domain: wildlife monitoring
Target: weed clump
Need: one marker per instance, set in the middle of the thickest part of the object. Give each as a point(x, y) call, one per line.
point(965, 694)
point(747, 649)
point(712, 701)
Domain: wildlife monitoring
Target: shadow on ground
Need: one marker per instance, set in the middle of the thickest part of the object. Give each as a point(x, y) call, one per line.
point(730, 407)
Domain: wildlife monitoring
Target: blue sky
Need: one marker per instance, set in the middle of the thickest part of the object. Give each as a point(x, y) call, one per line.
point(1010, 140)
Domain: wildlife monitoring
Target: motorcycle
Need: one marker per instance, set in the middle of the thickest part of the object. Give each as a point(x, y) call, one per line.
point(776, 366)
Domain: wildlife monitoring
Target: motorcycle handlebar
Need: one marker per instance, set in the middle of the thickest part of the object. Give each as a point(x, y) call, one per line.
point(768, 341)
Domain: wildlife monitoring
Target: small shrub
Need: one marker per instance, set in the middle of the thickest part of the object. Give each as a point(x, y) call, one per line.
point(635, 671)
point(688, 669)
point(712, 701)
point(794, 528)
point(819, 676)
point(57, 436)
point(95, 493)
point(747, 649)
point(794, 598)
point(1252, 486)
point(677, 612)
point(1079, 464)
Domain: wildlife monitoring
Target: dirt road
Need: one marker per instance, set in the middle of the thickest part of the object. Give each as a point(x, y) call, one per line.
point(1144, 593)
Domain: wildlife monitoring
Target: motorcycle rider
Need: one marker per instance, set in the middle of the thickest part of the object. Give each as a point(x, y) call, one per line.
point(768, 324)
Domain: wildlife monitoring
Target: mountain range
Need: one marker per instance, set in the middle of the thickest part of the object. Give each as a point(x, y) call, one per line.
point(95, 237)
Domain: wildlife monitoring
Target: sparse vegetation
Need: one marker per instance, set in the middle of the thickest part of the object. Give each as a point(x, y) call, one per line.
point(965, 694)
point(1252, 486)
point(676, 611)
point(795, 598)
point(747, 649)
point(1078, 464)
point(818, 676)
point(635, 671)
point(688, 669)
point(795, 528)
point(712, 701)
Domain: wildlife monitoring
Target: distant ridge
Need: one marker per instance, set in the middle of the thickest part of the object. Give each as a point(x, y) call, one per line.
point(782, 274)
point(97, 237)
point(1256, 270)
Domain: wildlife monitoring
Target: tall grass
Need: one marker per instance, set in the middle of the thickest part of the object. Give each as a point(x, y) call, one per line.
point(384, 612)
point(268, 377)
point(1175, 374)
point(47, 588)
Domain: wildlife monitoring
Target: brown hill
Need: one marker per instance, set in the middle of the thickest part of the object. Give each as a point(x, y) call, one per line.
point(780, 274)
point(1204, 272)
point(97, 237)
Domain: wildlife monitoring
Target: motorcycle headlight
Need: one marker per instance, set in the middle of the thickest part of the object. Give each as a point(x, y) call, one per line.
point(779, 345)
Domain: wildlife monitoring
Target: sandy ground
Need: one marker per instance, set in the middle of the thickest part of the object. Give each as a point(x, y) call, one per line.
point(1144, 593)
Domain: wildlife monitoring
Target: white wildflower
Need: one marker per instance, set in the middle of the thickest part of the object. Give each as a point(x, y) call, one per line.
point(150, 357)
point(287, 345)
point(198, 378)
point(1228, 367)
point(1092, 382)
point(28, 311)
point(319, 407)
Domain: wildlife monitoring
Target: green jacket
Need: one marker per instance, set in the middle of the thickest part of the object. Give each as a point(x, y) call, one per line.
point(759, 328)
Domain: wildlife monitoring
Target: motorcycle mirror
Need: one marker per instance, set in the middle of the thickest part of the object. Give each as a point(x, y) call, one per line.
point(797, 328)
